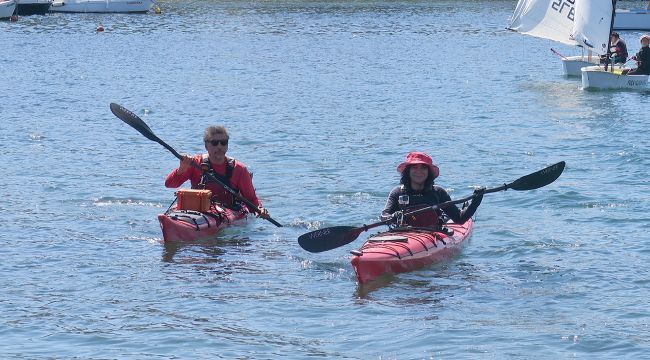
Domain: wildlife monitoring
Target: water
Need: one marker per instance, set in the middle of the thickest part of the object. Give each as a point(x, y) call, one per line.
point(323, 99)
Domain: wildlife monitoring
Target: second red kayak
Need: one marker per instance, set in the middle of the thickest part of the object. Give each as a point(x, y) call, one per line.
point(406, 249)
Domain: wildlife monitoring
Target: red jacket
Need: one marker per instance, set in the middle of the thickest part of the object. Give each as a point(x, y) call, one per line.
point(240, 180)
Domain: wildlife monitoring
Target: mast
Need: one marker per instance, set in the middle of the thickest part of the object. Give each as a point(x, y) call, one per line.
point(609, 38)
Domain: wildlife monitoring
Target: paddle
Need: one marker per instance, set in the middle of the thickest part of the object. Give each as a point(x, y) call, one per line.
point(135, 122)
point(337, 236)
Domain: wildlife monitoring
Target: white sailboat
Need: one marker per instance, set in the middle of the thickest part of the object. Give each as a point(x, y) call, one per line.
point(102, 6)
point(7, 8)
point(553, 20)
point(590, 31)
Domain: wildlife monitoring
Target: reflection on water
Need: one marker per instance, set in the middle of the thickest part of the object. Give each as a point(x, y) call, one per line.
point(202, 252)
point(363, 290)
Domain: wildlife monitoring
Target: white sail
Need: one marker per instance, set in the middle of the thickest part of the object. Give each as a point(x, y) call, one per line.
point(592, 23)
point(547, 19)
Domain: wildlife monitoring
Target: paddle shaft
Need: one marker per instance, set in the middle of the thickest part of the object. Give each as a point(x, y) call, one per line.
point(486, 191)
point(431, 208)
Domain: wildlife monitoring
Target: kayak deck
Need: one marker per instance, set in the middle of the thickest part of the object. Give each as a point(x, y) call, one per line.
point(190, 225)
point(406, 249)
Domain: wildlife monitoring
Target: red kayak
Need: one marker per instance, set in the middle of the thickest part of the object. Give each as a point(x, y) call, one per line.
point(190, 225)
point(406, 249)
point(196, 217)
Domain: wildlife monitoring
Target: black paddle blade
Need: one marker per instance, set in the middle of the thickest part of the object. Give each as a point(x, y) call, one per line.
point(538, 179)
point(328, 238)
point(132, 119)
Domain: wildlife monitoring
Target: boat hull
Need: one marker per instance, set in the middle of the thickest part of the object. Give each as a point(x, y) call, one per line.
point(572, 65)
point(186, 225)
point(595, 77)
point(7, 9)
point(632, 19)
point(106, 6)
point(403, 250)
point(33, 7)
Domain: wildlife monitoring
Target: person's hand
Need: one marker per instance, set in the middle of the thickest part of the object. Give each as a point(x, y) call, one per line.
point(633, 58)
point(478, 194)
point(264, 214)
point(185, 164)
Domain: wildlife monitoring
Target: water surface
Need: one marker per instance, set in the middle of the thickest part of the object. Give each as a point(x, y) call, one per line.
point(323, 100)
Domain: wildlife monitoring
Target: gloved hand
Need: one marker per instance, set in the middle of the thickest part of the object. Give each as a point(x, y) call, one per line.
point(478, 195)
point(397, 215)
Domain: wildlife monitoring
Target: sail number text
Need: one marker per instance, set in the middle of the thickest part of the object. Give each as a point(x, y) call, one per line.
point(565, 6)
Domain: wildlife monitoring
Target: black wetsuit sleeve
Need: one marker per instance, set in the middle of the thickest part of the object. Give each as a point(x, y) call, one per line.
point(643, 57)
point(392, 203)
point(456, 215)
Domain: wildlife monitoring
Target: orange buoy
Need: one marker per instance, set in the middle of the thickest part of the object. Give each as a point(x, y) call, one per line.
point(13, 18)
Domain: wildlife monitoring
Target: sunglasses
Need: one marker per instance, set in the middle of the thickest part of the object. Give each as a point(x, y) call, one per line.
point(217, 142)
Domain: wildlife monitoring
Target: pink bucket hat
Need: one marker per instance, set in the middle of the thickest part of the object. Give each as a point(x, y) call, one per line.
point(415, 157)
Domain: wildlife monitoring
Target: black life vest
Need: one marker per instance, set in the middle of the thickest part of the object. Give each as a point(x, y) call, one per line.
point(418, 201)
point(219, 194)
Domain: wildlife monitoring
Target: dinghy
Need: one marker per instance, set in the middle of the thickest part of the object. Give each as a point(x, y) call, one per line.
point(590, 17)
point(102, 6)
point(596, 78)
point(552, 20)
point(7, 8)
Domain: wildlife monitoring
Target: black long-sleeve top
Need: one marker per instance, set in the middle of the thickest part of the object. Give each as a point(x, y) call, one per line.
point(433, 196)
point(643, 60)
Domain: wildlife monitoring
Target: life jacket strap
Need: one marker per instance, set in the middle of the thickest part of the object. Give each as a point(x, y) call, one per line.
point(206, 168)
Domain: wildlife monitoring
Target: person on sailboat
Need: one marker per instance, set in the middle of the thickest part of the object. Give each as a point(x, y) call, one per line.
point(618, 49)
point(417, 190)
point(229, 171)
point(642, 58)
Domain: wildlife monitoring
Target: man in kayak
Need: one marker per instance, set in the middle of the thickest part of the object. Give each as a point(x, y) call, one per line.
point(417, 191)
point(228, 170)
point(642, 58)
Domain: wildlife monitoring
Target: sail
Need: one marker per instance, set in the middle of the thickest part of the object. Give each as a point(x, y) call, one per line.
point(592, 24)
point(547, 19)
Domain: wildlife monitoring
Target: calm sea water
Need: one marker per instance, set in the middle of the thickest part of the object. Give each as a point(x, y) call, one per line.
point(323, 99)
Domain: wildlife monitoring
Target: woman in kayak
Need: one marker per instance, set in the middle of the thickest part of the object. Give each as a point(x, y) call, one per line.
point(228, 170)
point(417, 191)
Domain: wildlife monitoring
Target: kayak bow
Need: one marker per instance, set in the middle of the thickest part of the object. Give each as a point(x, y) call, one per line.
point(406, 249)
